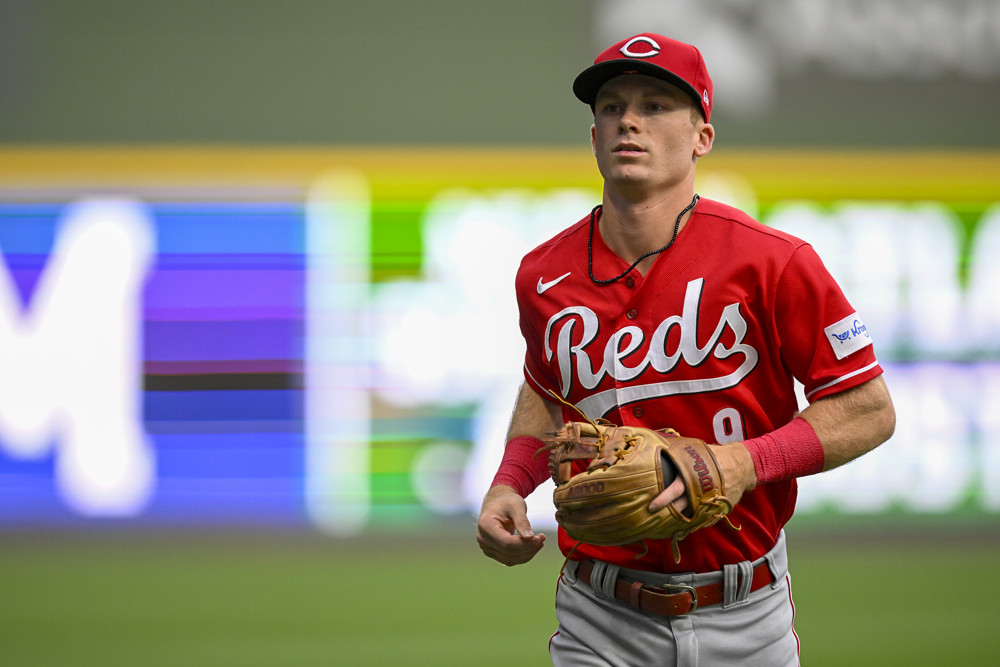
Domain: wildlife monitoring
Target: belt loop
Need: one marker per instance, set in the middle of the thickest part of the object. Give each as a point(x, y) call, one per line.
point(773, 566)
point(603, 579)
point(730, 580)
point(777, 561)
point(746, 581)
point(736, 582)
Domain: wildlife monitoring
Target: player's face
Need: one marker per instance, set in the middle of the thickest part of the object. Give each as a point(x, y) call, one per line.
point(646, 133)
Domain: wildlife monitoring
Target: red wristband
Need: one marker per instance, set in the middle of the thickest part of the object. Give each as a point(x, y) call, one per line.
point(794, 450)
point(520, 469)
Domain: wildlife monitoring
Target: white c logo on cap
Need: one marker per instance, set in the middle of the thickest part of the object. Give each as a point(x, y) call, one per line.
point(629, 53)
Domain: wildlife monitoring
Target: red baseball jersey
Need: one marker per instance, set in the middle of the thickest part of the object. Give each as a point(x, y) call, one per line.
point(707, 342)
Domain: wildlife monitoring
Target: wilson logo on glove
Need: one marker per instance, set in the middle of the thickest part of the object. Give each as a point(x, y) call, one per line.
point(584, 489)
point(700, 467)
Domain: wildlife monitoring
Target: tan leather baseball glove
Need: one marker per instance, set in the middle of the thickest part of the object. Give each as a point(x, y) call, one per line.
point(607, 504)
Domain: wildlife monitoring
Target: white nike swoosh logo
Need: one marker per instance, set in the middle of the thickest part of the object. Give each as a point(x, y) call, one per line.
point(543, 286)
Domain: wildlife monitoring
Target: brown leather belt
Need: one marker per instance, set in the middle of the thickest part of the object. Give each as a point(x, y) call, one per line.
point(654, 599)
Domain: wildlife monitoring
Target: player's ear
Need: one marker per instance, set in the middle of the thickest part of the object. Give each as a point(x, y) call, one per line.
point(593, 139)
point(704, 139)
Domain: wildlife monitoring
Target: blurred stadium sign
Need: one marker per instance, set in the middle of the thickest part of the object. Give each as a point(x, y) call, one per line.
point(330, 338)
point(927, 298)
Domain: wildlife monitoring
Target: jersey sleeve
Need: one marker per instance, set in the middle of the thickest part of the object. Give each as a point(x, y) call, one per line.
point(823, 339)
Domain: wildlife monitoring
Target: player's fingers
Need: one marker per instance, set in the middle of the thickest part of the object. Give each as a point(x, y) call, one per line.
point(510, 549)
point(503, 532)
point(522, 526)
point(674, 493)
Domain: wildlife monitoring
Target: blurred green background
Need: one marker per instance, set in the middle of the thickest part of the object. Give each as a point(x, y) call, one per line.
point(868, 594)
point(886, 78)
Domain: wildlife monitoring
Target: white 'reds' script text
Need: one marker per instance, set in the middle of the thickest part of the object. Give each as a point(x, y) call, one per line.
point(624, 343)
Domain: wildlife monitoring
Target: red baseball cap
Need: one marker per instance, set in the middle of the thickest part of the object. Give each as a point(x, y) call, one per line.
point(653, 55)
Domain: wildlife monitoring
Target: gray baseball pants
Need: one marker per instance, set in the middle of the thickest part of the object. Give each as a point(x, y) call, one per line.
point(746, 630)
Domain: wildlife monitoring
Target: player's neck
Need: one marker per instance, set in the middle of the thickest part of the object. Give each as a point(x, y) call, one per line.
point(633, 227)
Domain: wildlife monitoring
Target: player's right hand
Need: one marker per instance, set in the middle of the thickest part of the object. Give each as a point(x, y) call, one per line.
point(503, 532)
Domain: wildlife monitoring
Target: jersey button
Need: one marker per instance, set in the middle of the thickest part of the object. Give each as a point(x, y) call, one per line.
point(638, 412)
point(631, 314)
point(630, 281)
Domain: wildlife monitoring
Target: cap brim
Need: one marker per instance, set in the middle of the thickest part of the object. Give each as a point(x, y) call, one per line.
point(590, 80)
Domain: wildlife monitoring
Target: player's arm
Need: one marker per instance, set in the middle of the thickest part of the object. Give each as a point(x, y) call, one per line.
point(852, 422)
point(503, 531)
point(533, 415)
point(830, 432)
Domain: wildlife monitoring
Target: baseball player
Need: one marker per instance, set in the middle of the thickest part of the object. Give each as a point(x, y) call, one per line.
point(660, 308)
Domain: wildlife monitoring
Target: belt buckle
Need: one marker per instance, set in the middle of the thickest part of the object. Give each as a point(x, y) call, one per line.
point(684, 588)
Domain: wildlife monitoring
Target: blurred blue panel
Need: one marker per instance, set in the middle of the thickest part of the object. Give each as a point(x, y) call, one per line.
point(262, 456)
point(264, 405)
point(229, 228)
point(226, 290)
point(28, 229)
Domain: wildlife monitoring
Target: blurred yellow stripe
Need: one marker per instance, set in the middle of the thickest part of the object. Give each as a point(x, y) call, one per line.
point(417, 173)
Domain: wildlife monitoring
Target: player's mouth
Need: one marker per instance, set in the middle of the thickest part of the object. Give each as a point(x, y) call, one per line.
point(628, 149)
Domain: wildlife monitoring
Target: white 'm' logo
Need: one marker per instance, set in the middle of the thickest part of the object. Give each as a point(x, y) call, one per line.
point(654, 48)
point(71, 364)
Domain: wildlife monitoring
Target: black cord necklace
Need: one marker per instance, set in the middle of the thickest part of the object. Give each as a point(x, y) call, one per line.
point(590, 244)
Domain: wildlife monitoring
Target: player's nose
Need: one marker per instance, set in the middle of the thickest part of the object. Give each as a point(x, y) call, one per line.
point(629, 121)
